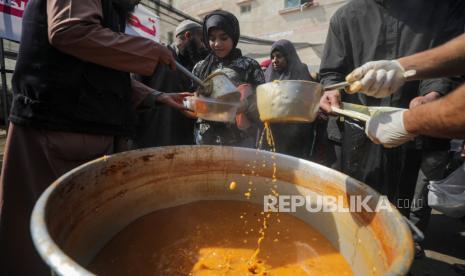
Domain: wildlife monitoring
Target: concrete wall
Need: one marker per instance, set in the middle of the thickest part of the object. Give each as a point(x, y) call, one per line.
point(269, 19)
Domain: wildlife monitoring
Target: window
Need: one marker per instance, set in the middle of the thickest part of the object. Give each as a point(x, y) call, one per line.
point(296, 3)
point(246, 8)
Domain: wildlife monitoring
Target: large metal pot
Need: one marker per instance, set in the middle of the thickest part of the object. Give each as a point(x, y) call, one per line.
point(289, 101)
point(86, 207)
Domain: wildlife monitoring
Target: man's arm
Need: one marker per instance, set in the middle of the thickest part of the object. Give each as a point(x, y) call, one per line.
point(74, 27)
point(442, 118)
point(445, 60)
point(145, 97)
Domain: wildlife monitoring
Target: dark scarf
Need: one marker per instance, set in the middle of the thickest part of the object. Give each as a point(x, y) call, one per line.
point(295, 70)
point(229, 24)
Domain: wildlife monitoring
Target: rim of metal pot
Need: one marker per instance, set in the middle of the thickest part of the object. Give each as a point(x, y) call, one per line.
point(62, 264)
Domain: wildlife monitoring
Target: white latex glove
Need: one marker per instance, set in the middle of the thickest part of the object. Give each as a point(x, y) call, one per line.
point(387, 128)
point(378, 79)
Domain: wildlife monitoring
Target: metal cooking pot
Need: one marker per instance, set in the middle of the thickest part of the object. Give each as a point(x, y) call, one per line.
point(82, 210)
point(218, 85)
point(289, 101)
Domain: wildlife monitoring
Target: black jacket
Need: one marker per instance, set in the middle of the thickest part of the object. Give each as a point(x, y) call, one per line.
point(55, 91)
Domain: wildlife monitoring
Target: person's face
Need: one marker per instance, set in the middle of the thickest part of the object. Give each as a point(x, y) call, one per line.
point(195, 37)
point(278, 61)
point(193, 47)
point(220, 43)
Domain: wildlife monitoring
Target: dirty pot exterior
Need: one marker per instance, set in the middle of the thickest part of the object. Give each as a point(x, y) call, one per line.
point(289, 101)
point(81, 211)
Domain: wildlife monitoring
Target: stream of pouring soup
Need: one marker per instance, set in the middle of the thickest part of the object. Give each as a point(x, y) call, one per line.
point(208, 238)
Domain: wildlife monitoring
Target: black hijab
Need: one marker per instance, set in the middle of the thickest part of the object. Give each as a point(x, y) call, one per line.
point(296, 70)
point(227, 22)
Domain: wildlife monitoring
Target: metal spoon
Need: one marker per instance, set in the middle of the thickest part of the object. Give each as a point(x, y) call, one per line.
point(340, 85)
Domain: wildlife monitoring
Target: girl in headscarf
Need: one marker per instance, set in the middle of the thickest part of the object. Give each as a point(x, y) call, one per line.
point(221, 35)
point(289, 138)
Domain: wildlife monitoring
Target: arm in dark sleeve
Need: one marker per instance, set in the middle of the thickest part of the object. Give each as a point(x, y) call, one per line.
point(452, 28)
point(335, 64)
point(142, 96)
point(454, 25)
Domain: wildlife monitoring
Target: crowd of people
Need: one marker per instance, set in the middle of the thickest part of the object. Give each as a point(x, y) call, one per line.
point(75, 99)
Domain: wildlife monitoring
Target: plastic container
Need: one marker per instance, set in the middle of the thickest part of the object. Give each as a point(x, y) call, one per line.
point(212, 109)
point(448, 195)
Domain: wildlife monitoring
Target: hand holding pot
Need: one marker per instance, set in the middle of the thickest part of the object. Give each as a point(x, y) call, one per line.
point(330, 98)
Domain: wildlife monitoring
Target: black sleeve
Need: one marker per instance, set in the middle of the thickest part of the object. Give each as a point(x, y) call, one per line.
point(454, 25)
point(255, 79)
point(442, 86)
point(335, 64)
point(452, 28)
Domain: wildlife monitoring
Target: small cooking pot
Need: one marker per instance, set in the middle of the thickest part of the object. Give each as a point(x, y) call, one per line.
point(218, 85)
point(289, 101)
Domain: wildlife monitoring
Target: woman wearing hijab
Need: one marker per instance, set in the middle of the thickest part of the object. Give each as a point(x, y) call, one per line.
point(221, 35)
point(291, 139)
point(285, 63)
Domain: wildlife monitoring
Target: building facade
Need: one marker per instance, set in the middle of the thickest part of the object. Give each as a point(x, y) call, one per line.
point(301, 21)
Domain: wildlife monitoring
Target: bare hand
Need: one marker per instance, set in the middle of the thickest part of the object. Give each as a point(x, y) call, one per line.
point(174, 100)
point(329, 99)
point(424, 99)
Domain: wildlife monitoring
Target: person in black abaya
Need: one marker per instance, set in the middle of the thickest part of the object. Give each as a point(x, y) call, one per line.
point(294, 139)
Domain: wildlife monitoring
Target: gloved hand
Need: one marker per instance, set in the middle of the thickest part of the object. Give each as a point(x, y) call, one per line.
point(378, 79)
point(387, 128)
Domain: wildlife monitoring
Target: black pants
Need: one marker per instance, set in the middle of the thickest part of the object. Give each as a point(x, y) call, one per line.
point(433, 166)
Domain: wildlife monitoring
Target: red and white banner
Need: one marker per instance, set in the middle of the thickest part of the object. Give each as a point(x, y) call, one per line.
point(142, 22)
point(11, 14)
